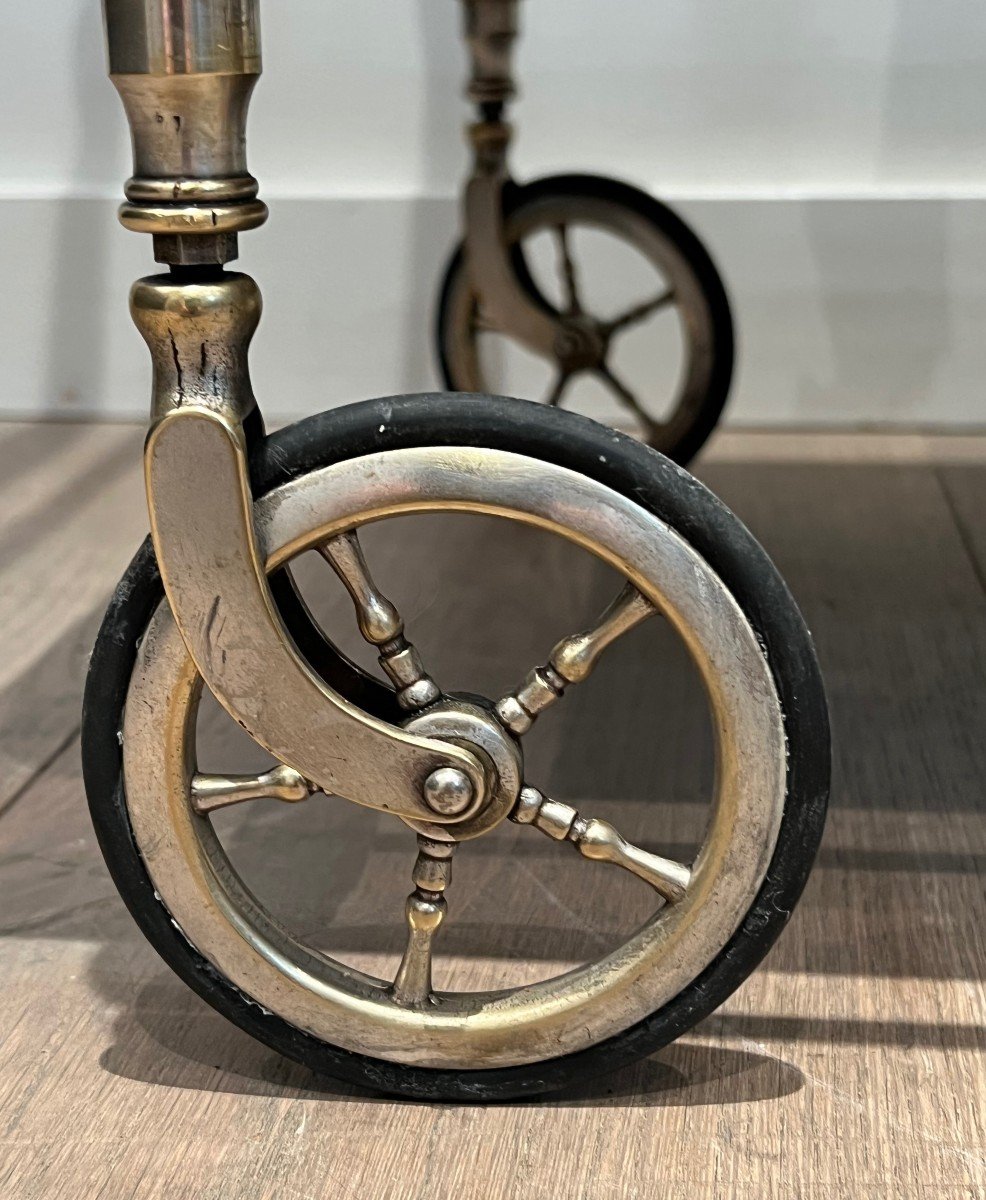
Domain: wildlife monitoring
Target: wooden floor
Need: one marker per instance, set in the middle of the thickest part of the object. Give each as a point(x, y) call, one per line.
point(850, 1065)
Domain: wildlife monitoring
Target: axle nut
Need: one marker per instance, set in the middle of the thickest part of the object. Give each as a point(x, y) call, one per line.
point(448, 791)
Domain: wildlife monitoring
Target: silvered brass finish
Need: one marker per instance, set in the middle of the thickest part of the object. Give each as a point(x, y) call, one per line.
point(570, 338)
point(465, 723)
point(571, 661)
point(402, 662)
point(453, 770)
point(424, 911)
point(491, 27)
point(586, 343)
point(560, 1015)
point(600, 841)
point(210, 792)
point(448, 791)
point(185, 72)
point(379, 621)
point(217, 589)
point(575, 657)
point(381, 624)
point(199, 498)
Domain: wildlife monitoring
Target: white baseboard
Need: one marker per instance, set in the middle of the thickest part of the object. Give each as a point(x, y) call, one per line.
point(850, 311)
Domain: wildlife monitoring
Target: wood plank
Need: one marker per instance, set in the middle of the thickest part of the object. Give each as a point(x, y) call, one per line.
point(851, 1064)
point(112, 1072)
point(873, 557)
point(964, 488)
point(880, 447)
point(73, 516)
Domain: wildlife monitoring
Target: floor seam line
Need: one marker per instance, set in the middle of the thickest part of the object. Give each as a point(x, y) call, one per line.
point(43, 766)
point(960, 526)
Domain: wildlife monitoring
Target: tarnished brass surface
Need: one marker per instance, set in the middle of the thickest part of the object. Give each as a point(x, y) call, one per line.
point(182, 37)
point(211, 218)
point(191, 191)
point(488, 296)
point(378, 619)
point(198, 335)
point(556, 1016)
point(185, 72)
point(490, 30)
point(575, 657)
point(424, 911)
point(200, 136)
point(198, 491)
point(212, 792)
point(599, 840)
point(571, 661)
point(381, 624)
point(448, 791)
point(464, 723)
point(199, 499)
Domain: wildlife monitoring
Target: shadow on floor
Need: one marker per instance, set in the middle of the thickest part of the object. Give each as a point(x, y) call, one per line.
point(902, 641)
point(167, 1036)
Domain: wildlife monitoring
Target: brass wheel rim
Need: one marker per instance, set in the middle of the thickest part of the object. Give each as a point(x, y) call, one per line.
point(232, 930)
point(696, 331)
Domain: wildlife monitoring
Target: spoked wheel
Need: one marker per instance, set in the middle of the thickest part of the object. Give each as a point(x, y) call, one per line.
point(655, 347)
point(681, 555)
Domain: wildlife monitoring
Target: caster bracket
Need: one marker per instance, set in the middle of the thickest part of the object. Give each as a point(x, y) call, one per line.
point(506, 303)
point(202, 527)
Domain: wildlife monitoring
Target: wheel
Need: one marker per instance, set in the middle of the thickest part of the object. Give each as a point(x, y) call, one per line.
point(707, 923)
point(603, 251)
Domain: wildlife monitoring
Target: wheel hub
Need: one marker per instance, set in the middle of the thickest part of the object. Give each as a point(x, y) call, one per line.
point(470, 725)
point(580, 344)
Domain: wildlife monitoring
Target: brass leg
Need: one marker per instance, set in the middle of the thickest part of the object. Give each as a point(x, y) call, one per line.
point(490, 30)
point(185, 74)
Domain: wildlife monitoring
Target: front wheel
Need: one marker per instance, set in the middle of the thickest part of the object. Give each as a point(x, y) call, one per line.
point(697, 920)
point(606, 253)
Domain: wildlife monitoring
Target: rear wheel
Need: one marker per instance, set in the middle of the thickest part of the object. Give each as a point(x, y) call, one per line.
point(611, 256)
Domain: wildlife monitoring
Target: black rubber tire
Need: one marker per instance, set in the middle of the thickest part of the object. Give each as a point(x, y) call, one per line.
point(638, 473)
point(516, 196)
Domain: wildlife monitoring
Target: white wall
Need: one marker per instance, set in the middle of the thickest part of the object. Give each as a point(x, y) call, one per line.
point(832, 154)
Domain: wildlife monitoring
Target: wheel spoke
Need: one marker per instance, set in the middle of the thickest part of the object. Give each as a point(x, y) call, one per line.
point(558, 388)
point(424, 910)
point(380, 623)
point(598, 840)
point(571, 661)
point(638, 313)
point(569, 274)
point(210, 792)
point(622, 392)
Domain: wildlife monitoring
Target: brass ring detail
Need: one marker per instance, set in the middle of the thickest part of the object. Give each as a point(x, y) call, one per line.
point(141, 190)
point(192, 218)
